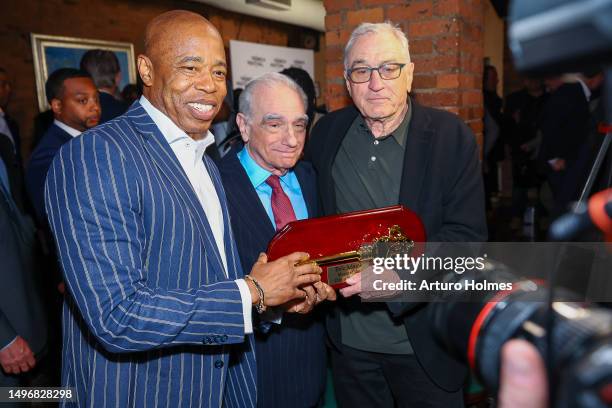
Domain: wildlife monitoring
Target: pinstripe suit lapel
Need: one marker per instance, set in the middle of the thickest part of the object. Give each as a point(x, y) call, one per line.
point(163, 157)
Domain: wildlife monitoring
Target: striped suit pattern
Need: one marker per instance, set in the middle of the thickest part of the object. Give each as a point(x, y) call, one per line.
point(292, 357)
point(151, 318)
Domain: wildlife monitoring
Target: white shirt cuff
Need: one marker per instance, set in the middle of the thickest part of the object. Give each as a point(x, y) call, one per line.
point(247, 305)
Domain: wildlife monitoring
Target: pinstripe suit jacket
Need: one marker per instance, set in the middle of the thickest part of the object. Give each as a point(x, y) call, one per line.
point(292, 357)
point(151, 320)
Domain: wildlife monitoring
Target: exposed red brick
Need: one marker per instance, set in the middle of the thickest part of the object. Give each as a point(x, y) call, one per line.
point(446, 7)
point(334, 70)
point(471, 97)
point(421, 46)
point(336, 89)
point(367, 3)
point(337, 37)
point(424, 82)
point(334, 53)
point(371, 15)
point(412, 11)
point(447, 44)
point(338, 102)
point(435, 99)
point(332, 6)
point(428, 64)
point(447, 81)
point(333, 21)
point(432, 27)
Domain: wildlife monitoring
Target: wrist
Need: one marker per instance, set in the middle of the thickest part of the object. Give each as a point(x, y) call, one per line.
point(260, 305)
point(253, 290)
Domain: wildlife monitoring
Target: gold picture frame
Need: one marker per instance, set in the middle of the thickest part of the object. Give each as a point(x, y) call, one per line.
point(53, 52)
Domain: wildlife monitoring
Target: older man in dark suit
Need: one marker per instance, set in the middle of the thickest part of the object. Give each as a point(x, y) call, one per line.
point(388, 150)
point(267, 187)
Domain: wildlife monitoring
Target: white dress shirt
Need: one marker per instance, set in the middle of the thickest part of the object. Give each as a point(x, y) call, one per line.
point(70, 130)
point(190, 154)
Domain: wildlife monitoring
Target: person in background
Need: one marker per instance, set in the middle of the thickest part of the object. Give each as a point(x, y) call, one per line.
point(493, 137)
point(104, 68)
point(564, 126)
point(74, 101)
point(303, 79)
point(522, 113)
point(267, 187)
point(23, 326)
point(130, 93)
point(10, 144)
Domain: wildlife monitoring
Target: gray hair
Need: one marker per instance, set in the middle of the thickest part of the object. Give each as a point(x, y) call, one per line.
point(271, 78)
point(375, 28)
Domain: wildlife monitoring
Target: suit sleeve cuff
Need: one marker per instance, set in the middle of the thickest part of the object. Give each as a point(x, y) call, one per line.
point(247, 305)
point(8, 345)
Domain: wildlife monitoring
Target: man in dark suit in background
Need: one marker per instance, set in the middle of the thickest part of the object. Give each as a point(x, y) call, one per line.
point(74, 100)
point(10, 143)
point(23, 328)
point(267, 187)
point(564, 126)
point(104, 68)
point(388, 150)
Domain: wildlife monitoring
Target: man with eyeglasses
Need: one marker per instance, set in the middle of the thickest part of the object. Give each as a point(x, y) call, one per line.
point(387, 150)
point(266, 188)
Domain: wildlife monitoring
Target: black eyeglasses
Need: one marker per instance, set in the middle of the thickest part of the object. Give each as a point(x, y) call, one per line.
point(359, 75)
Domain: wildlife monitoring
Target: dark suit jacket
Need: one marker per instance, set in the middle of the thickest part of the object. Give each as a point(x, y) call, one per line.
point(111, 107)
point(291, 358)
point(442, 183)
point(39, 164)
point(564, 123)
point(21, 309)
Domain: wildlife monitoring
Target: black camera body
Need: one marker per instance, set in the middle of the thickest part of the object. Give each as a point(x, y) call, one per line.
point(581, 338)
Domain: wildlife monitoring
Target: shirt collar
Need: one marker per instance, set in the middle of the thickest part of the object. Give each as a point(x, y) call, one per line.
point(70, 130)
point(257, 174)
point(168, 128)
point(398, 134)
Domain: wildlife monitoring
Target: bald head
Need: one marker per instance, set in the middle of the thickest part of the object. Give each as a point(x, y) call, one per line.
point(183, 70)
point(163, 30)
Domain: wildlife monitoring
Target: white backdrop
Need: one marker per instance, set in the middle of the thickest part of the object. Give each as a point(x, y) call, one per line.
point(250, 60)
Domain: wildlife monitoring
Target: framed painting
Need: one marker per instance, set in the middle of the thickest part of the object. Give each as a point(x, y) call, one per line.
point(54, 52)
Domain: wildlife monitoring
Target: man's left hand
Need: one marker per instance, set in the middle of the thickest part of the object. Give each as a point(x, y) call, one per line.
point(362, 284)
point(315, 294)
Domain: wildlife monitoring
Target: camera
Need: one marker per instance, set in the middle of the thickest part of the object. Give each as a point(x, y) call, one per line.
point(581, 342)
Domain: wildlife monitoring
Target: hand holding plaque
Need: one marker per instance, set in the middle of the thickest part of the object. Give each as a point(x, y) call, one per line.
point(342, 245)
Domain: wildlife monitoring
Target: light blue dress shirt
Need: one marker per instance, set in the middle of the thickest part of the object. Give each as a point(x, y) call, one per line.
point(289, 183)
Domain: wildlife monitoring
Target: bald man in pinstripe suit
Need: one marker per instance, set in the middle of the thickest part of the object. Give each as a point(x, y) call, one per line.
point(158, 311)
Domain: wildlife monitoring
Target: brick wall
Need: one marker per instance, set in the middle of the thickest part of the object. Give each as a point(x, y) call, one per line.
point(446, 46)
point(112, 20)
